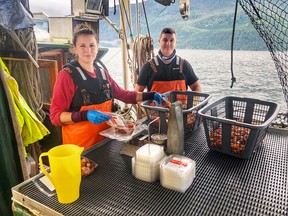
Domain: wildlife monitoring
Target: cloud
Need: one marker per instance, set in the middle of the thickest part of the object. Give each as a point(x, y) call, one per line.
point(55, 8)
point(51, 7)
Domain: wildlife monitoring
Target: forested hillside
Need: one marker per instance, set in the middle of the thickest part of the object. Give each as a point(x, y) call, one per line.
point(208, 27)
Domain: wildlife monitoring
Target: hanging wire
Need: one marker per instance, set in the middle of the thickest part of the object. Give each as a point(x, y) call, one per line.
point(114, 7)
point(143, 46)
point(233, 79)
point(146, 20)
point(125, 33)
point(129, 25)
point(161, 12)
point(136, 65)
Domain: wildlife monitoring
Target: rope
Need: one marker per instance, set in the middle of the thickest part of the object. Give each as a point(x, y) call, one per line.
point(254, 9)
point(18, 41)
point(26, 72)
point(146, 50)
point(146, 53)
point(143, 51)
point(233, 79)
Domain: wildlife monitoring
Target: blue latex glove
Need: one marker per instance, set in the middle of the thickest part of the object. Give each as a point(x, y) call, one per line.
point(160, 98)
point(97, 117)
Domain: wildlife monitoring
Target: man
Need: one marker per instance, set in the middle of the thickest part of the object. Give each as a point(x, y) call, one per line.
point(167, 71)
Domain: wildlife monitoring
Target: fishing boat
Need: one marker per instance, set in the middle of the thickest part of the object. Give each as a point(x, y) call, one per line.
point(223, 185)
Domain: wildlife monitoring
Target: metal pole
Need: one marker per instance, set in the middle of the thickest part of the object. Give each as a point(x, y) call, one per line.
point(138, 43)
point(123, 6)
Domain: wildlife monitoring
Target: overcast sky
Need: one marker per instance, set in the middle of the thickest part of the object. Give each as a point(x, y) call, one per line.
point(51, 7)
point(56, 7)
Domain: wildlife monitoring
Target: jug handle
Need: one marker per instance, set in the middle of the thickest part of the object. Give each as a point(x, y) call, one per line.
point(42, 167)
point(81, 150)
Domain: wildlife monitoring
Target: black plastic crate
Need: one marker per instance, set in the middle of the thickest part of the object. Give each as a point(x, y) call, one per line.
point(236, 125)
point(191, 102)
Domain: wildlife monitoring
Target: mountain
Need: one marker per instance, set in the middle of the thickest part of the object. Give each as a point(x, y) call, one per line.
point(209, 25)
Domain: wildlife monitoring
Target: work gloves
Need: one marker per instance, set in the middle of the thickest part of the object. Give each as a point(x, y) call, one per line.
point(159, 98)
point(96, 117)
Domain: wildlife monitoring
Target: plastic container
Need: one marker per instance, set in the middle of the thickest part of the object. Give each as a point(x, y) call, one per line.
point(191, 103)
point(236, 126)
point(87, 166)
point(145, 165)
point(150, 154)
point(177, 172)
point(159, 138)
point(145, 171)
point(122, 126)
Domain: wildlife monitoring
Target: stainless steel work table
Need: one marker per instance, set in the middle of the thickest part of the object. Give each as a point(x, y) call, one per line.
point(223, 185)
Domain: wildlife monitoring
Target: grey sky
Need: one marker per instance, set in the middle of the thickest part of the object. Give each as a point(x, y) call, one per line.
point(51, 7)
point(55, 8)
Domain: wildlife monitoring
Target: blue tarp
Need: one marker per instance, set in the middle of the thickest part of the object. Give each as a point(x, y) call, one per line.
point(13, 15)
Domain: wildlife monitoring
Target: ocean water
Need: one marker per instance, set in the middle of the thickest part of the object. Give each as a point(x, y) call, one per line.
point(255, 73)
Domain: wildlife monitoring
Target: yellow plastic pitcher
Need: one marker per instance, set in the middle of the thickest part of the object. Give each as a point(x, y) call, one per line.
point(65, 167)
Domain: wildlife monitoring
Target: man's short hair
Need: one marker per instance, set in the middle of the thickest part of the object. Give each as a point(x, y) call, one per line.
point(168, 31)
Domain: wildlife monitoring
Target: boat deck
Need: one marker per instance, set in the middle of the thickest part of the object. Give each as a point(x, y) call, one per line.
point(223, 185)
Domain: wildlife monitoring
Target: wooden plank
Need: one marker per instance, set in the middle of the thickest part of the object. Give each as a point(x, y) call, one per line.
point(57, 54)
point(52, 67)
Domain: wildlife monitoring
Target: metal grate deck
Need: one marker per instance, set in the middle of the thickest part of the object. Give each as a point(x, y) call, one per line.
point(224, 185)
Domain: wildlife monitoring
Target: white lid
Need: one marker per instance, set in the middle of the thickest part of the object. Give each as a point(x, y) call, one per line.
point(150, 153)
point(177, 164)
point(177, 172)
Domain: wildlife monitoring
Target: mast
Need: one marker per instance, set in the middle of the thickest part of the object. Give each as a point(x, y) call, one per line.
point(138, 43)
point(125, 10)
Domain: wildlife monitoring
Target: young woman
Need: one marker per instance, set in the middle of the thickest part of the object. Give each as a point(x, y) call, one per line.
point(84, 91)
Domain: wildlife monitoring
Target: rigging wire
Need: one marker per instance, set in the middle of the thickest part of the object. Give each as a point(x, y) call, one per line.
point(143, 51)
point(125, 34)
point(143, 47)
point(146, 20)
point(129, 24)
point(233, 79)
point(161, 12)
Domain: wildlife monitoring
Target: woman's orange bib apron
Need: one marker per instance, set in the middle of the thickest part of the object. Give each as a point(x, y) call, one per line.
point(86, 133)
